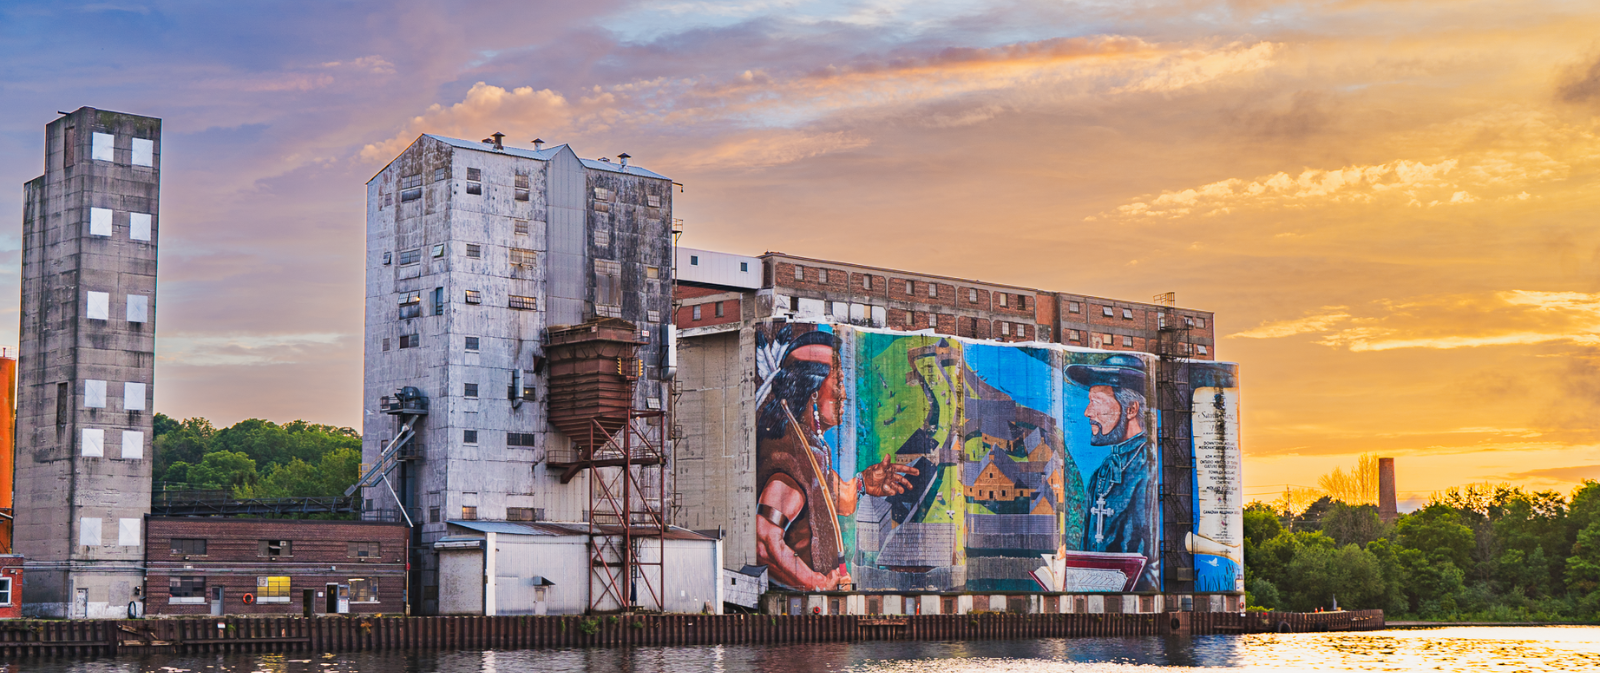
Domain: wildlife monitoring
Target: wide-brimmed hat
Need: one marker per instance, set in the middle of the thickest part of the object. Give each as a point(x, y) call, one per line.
point(1118, 371)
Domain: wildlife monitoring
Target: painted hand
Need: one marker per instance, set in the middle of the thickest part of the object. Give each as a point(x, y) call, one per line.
point(836, 579)
point(886, 478)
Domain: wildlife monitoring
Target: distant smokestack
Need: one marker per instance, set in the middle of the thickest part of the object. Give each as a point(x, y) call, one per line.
point(1387, 511)
point(624, 157)
point(497, 140)
point(538, 144)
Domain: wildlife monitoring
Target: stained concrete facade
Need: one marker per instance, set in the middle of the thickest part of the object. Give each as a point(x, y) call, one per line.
point(719, 303)
point(90, 229)
point(473, 253)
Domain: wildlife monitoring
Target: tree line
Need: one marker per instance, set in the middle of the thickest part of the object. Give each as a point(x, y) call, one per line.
point(1475, 553)
point(255, 458)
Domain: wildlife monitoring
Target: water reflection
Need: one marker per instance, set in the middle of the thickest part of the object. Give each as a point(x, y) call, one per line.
point(1447, 649)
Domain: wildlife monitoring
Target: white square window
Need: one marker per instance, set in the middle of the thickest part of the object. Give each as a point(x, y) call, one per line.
point(93, 444)
point(1201, 349)
point(94, 394)
point(133, 396)
point(1127, 341)
point(138, 308)
point(933, 320)
point(1200, 323)
point(89, 527)
point(139, 226)
point(103, 145)
point(1127, 314)
point(144, 152)
point(1005, 329)
point(99, 306)
point(1005, 299)
point(972, 296)
point(99, 221)
point(128, 533)
point(132, 444)
point(1072, 307)
point(1107, 312)
point(933, 290)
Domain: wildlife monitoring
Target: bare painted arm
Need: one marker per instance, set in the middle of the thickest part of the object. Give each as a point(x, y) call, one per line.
point(774, 552)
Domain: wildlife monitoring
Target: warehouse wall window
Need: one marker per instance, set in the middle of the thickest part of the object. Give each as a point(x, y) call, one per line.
point(608, 288)
point(272, 589)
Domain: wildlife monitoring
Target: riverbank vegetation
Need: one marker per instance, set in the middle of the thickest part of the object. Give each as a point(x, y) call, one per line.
point(255, 458)
point(1474, 553)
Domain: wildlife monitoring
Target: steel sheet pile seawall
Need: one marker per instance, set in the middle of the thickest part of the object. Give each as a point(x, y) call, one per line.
point(333, 634)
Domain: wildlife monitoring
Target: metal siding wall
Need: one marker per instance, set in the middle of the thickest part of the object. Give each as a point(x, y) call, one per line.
point(568, 270)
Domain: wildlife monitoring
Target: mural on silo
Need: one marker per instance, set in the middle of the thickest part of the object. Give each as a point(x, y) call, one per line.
point(1218, 539)
point(913, 461)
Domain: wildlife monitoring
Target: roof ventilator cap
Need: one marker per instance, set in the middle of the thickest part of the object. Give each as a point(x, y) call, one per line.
point(496, 139)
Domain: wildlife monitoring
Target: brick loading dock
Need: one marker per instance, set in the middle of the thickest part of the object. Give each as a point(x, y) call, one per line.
point(344, 634)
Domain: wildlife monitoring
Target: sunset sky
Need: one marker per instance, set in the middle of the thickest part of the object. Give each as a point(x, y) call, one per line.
point(1391, 206)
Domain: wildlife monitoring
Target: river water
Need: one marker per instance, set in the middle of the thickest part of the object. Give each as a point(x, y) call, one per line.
point(1443, 649)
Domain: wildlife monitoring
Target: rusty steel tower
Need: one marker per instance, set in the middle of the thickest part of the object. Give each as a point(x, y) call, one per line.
point(594, 371)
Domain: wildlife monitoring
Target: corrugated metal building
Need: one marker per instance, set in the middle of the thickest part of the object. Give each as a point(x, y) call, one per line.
point(520, 568)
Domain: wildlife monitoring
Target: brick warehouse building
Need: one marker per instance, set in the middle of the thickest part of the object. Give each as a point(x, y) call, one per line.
point(714, 287)
point(197, 565)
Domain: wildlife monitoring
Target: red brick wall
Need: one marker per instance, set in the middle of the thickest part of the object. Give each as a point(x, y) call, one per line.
point(319, 555)
point(11, 566)
point(684, 318)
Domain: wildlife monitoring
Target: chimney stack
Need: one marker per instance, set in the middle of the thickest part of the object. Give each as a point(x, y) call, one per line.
point(538, 144)
point(1387, 510)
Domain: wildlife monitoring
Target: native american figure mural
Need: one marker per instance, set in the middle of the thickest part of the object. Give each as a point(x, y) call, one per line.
point(918, 462)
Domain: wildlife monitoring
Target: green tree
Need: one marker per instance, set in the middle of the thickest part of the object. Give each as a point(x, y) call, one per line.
point(1353, 524)
point(1323, 572)
point(1438, 531)
point(223, 469)
point(185, 442)
point(330, 476)
point(1387, 553)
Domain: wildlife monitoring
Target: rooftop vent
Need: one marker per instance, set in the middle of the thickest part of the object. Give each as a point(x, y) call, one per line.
point(496, 140)
point(624, 158)
point(606, 159)
point(538, 144)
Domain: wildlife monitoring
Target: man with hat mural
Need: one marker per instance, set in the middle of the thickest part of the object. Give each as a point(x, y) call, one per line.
point(801, 496)
point(1120, 492)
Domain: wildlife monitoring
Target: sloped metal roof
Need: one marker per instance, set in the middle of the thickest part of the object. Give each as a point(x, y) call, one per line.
point(558, 529)
point(547, 154)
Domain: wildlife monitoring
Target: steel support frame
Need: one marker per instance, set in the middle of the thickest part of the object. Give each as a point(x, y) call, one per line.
point(625, 513)
point(1173, 401)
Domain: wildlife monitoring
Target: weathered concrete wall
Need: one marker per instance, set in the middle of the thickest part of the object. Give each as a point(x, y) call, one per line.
point(715, 459)
point(498, 259)
point(90, 231)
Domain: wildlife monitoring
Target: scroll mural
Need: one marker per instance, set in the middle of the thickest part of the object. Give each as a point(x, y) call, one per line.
point(1218, 539)
point(918, 462)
